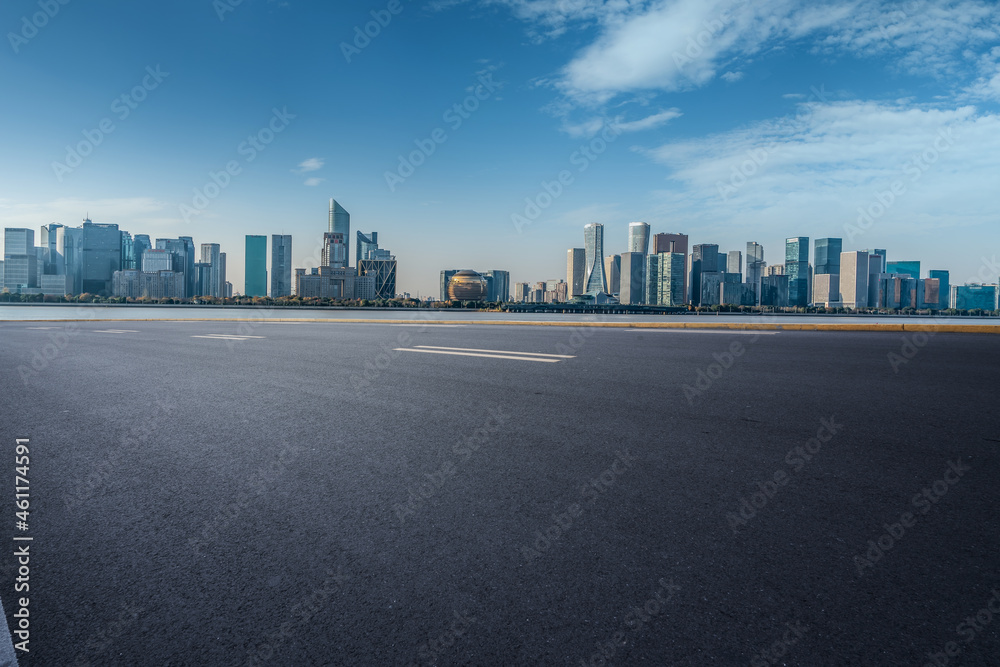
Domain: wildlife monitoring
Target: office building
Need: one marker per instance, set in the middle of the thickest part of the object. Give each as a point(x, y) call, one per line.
point(638, 237)
point(907, 268)
point(383, 275)
point(366, 244)
point(255, 276)
point(596, 281)
point(137, 284)
point(325, 282)
point(184, 250)
point(281, 265)
point(944, 287)
point(210, 255)
point(774, 290)
point(576, 270)
point(797, 270)
point(334, 250)
point(667, 287)
point(633, 278)
point(826, 289)
point(854, 274)
point(498, 285)
point(755, 267)
point(20, 259)
point(156, 260)
point(704, 260)
point(340, 223)
point(975, 297)
point(734, 263)
point(711, 288)
point(612, 270)
point(827, 257)
point(140, 244)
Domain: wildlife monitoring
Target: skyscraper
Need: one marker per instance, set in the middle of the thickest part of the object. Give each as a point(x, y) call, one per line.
point(734, 262)
point(334, 250)
point(909, 268)
point(854, 279)
point(281, 265)
point(704, 259)
point(944, 286)
point(576, 270)
point(340, 223)
point(256, 266)
point(613, 272)
point(20, 260)
point(593, 236)
point(755, 267)
point(673, 243)
point(797, 270)
point(633, 278)
point(671, 270)
point(210, 256)
point(102, 256)
point(828, 256)
point(638, 237)
point(366, 243)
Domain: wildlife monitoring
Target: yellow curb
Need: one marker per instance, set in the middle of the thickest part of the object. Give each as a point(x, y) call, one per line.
point(736, 326)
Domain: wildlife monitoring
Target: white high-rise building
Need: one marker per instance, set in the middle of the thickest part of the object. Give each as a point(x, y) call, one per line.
point(854, 279)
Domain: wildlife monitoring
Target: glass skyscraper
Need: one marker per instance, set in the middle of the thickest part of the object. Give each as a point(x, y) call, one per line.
point(576, 271)
point(593, 236)
point(366, 243)
point(797, 270)
point(944, 289)
point(704, 259)
point(340, 223)
point(911, 268)
point(638, 237)
point(256, 266)
point(281, 265)
point(828, 256)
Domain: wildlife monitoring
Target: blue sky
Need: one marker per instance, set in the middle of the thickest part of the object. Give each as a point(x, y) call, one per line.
point(730, 121)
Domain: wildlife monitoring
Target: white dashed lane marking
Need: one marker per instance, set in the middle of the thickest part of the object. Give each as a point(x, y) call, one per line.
point(489, 354)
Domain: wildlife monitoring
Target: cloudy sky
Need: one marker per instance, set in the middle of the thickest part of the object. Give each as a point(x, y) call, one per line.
point(486, 133)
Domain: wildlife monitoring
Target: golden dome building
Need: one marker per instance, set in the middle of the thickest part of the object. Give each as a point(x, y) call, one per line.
point(467, 286)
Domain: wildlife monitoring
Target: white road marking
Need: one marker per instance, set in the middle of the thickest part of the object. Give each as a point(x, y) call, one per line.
point(225, 337)
point(471, 349)
point(41, 328)
point(116, 331)
point(478, 354)
point(436, 326)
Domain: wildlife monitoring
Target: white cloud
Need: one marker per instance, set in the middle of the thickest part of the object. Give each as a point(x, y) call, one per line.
point(818, 168)
point(732, 77)
point(592, 126)
point(312, 164)
point(312, 182)
point(675, 45)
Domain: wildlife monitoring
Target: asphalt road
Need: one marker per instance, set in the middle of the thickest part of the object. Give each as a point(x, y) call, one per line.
point(314, 495)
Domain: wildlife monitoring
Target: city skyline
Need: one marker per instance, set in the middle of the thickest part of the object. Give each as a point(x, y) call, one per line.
point(874, 122)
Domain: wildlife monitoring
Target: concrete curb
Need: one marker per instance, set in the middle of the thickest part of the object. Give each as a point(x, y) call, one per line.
point(744, 326)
